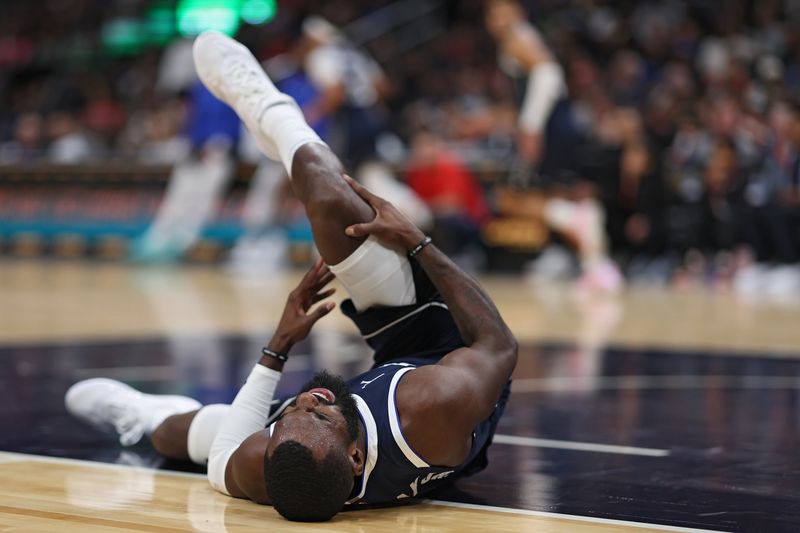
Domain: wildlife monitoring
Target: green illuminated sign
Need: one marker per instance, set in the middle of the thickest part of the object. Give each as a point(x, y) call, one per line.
point(158, 26)
point(195, 16)
point(258, 11)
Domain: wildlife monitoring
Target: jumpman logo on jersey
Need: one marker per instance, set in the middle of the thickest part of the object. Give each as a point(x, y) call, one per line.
point(365, 383)
point(414, 485)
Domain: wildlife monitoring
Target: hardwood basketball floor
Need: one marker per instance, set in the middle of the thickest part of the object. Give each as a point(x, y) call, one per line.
point(654, 407)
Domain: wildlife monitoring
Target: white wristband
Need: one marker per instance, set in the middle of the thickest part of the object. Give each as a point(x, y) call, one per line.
point(248, 414)
point(545, 87)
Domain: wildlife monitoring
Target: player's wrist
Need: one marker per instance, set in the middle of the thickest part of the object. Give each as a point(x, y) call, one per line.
point(280, 344)
point(275, 354)
point(413, 239)
point(420, 247)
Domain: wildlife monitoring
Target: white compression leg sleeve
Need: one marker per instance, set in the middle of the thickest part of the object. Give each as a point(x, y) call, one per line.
point(376, 276)
point(545, 87)
point(248, 414)
point(203, 429)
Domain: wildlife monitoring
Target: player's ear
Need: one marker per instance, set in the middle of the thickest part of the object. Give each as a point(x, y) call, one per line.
point(356, 457)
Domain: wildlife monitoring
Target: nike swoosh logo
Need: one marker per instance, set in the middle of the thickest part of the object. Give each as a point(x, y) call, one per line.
point(365, 383)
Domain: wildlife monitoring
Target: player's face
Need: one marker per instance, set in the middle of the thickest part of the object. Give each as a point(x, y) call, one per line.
point(500, 17)
point(323, 415)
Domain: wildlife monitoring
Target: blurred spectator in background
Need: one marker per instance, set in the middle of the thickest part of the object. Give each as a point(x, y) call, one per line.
point(719, 226)
point(27, 142)
point(772, 196)
point(682, 114)
point(451, 191)
point(638, 218)
point(772, 191)
point(68, 141)
point(163, 137)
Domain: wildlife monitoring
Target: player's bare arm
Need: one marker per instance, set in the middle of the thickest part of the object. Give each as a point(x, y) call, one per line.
point(460, 391)
point(244, 475)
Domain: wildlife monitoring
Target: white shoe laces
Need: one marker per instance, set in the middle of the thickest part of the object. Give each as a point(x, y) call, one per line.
point(248, 86)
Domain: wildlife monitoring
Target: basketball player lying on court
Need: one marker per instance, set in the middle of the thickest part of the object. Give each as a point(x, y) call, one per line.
point(426, 412)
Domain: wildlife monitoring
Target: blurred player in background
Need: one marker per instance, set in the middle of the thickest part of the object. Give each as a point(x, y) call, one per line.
point(352, 87)
point(546, 142)
point(539, 79)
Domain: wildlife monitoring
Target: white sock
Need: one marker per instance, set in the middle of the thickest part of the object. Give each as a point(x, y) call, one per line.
point(153, 413)
point(203, 429)
point(283, 123)
point(153, 419)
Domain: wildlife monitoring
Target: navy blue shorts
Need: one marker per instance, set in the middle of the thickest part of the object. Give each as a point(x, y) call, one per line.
point(424, 329)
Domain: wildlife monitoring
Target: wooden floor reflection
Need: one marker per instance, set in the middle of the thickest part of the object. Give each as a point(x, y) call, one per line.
point(58, 301)
point(40, 495)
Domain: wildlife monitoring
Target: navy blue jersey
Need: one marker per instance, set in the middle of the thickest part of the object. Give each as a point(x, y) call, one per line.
point(393, 470)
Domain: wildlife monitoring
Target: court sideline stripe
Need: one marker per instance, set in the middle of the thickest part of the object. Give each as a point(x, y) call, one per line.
point(476, 507)
point(671, 382)
point(533, 442)
point(577, 518)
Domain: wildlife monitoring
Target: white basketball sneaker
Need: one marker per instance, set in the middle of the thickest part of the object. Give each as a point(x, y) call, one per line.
point(228, 69)
point(109, 404)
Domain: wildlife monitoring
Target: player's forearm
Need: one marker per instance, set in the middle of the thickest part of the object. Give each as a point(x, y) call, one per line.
point(474, 313)
point(248, 414)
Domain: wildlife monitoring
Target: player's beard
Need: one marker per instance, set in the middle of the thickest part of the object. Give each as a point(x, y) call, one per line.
point(344, 398)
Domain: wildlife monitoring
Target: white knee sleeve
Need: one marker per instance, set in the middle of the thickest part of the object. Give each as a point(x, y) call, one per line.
point(203, 429)
point(376, 276)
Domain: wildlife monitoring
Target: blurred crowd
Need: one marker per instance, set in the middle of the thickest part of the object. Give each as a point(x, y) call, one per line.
point(687, 111)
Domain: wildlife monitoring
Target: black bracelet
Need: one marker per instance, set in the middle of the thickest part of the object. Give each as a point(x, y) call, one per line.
point(418, 248)
point(275, 355)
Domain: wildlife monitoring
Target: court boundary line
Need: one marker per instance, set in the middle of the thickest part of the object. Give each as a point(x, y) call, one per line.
point(577, 518)
point(471, 506)
point(535, 442)
point(656, 381)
